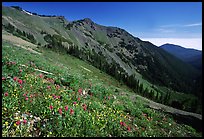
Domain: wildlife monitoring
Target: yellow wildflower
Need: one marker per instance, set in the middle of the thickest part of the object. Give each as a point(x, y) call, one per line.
point(6, 123)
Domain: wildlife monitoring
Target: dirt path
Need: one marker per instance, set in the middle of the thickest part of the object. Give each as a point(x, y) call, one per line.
point(19, 42)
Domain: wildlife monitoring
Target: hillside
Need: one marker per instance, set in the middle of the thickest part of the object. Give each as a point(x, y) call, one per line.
point(79, 78)
point(60, 95)
point(191, 56)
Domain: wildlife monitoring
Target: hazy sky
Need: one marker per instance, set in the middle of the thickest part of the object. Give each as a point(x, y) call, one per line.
point(180, 22)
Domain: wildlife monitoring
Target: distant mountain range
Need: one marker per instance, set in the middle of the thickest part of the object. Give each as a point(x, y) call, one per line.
point(191, 56)
point(110, 49)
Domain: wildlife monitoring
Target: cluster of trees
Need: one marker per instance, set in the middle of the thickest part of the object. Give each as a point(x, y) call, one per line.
point(55, 41)
point(22, 34)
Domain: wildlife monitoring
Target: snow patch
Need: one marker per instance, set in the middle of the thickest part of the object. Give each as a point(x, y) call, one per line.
point(27, 12)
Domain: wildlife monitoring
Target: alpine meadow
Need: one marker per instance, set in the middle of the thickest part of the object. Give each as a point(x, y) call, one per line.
point(78, 78)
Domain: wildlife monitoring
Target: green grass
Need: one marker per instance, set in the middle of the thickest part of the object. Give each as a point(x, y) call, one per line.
point(108, 103)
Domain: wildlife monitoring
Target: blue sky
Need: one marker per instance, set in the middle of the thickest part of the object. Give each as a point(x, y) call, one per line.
point(172, 20)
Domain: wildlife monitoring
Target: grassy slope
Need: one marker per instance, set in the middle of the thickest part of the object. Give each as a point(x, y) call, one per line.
point(102, 117)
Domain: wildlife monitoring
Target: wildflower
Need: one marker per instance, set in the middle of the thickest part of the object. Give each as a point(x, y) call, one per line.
point(57, 87)
point(6, 123)
point(51, 107)
point(31, 96)
point(26, 98)
point(3, 78)
point(24, 95)
point(121, 123)
point(84, 106)
point(6, 94)
point(108, 97)
point(128, 128)
point(66, 108)
point(14, 78)
point(55, 97)
point(80, 91)
point(20, 70)
point(145, 115)
point(48, 87)
point(41, 75)
point(18, 122)
point(60, 111)
point(24, 121)
point(78, 98)
point(20, 81)
point(21, 86)
point(74, 103)
point(58, 97)
point(71, 111)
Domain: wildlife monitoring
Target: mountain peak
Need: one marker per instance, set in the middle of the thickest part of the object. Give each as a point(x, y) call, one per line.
point(87, 20)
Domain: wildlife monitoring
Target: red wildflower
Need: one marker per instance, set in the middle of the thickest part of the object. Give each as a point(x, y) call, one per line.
point(78, 98)
point(41, 75)
point(84, 106)
point(58, 97)
point(48, 87)
point(6, 94)
point(15, 78)
point(31, 96)
point(122, 124)
point(60, 111)
point(21, 86)
point(18, 122)
point(108, 97)
point(24, 94)
point(128, 128)
point(80, 91)
point(145, 115)
point(74, 102)
point(51, 107)
point(71, 111)
point(57, 87)
point(20, 81)
point(20, 70)
point(3, 78)
point(24, 121)
point(55, 97)
point(26, 98)
point(66, 108)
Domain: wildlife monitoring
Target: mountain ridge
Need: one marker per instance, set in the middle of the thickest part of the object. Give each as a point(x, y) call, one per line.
point(188, 55)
